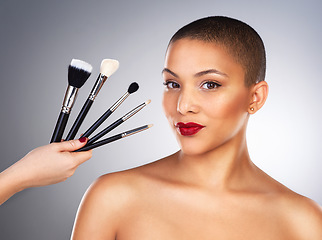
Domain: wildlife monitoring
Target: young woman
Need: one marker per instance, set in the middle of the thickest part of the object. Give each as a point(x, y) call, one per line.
point(210, 189)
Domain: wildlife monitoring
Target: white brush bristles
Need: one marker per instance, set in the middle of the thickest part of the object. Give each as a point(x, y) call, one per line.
point(109, 66)
point(81, 65)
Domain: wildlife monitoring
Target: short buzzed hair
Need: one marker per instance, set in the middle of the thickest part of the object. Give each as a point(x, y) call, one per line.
point(240, 40)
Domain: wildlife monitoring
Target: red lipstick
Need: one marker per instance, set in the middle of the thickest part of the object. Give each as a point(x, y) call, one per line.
point(188, 129)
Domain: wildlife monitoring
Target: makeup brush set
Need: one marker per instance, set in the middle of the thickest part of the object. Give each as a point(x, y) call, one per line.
point(78, 73)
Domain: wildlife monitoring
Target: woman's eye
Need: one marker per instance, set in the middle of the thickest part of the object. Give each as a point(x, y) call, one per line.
point(210, 85)
point(170, 84)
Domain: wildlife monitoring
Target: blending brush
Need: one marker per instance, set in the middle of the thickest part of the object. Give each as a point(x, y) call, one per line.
point(132, 88)
point(114, 138)
point(118, 122)
point(108, 67)
point(78, 72)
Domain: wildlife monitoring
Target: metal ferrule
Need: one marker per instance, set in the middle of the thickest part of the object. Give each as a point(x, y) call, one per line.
point(132, 112)
point(70, 97)
point(136, 130)
point(119, 102)
point(97, 87)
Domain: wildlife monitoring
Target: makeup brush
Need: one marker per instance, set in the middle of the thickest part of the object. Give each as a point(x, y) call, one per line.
point(118, 122)
point(78, 72)
point(108, 67)
point(132, 88)
point(114, 138)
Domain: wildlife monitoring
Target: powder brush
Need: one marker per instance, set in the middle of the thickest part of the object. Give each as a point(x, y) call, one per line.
point(78, 72)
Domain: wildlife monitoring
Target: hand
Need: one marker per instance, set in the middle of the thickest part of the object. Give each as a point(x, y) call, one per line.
point(52, 163)
point(44, 165)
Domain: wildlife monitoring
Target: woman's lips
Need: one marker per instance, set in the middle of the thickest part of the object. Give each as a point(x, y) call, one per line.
point(188, 129)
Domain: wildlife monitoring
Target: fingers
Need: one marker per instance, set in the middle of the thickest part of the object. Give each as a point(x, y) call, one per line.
point(81, 157)
point(72, 145)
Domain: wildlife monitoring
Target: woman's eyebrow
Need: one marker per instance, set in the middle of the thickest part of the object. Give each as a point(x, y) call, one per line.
point(199, 74)
point(169, 71)
point(215, 71)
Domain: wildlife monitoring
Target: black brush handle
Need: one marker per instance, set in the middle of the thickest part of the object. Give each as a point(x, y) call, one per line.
point(100, 143)
point(60, 127)
point(97, 123)
point(105, 131)
point(79, 120)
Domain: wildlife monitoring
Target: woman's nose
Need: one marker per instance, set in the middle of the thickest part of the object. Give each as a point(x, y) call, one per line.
point(187, 102)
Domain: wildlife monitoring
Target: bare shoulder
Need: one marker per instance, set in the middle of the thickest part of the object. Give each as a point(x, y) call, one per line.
point(109, 199)
point(301, 215)
point(101, 203)
point(119, 189)
point(128, 182)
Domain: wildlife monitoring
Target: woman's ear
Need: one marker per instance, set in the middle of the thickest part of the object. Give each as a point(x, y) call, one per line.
point(259, 95)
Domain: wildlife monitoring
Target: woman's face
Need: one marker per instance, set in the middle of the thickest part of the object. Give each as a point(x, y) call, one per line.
point(205, 99)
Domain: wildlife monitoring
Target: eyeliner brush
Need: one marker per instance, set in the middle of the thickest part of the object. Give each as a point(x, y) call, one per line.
point(118, 122)
point(108, 67)
point(114, 138)
point(78, 72)
point(132, 88)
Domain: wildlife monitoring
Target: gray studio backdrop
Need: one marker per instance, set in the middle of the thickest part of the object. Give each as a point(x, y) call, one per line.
point(39, 39)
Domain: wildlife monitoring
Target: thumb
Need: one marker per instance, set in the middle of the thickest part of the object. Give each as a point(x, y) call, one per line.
point(72, 145)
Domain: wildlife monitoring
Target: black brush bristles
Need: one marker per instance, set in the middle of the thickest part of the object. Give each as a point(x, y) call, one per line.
point(78, 72)
point(133, 88)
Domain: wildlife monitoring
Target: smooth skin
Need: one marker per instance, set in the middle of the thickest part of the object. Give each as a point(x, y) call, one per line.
point(42, 166)
point(210, 188)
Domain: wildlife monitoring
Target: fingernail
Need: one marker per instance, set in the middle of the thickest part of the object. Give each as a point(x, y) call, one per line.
point(82, 139)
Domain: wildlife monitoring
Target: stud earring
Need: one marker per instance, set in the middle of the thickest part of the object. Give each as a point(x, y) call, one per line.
point(252, 109)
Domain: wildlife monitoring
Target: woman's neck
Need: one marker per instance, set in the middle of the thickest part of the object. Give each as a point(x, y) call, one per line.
point(224, 167)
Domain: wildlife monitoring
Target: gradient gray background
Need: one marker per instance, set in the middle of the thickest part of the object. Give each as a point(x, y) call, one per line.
point(39, 39)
